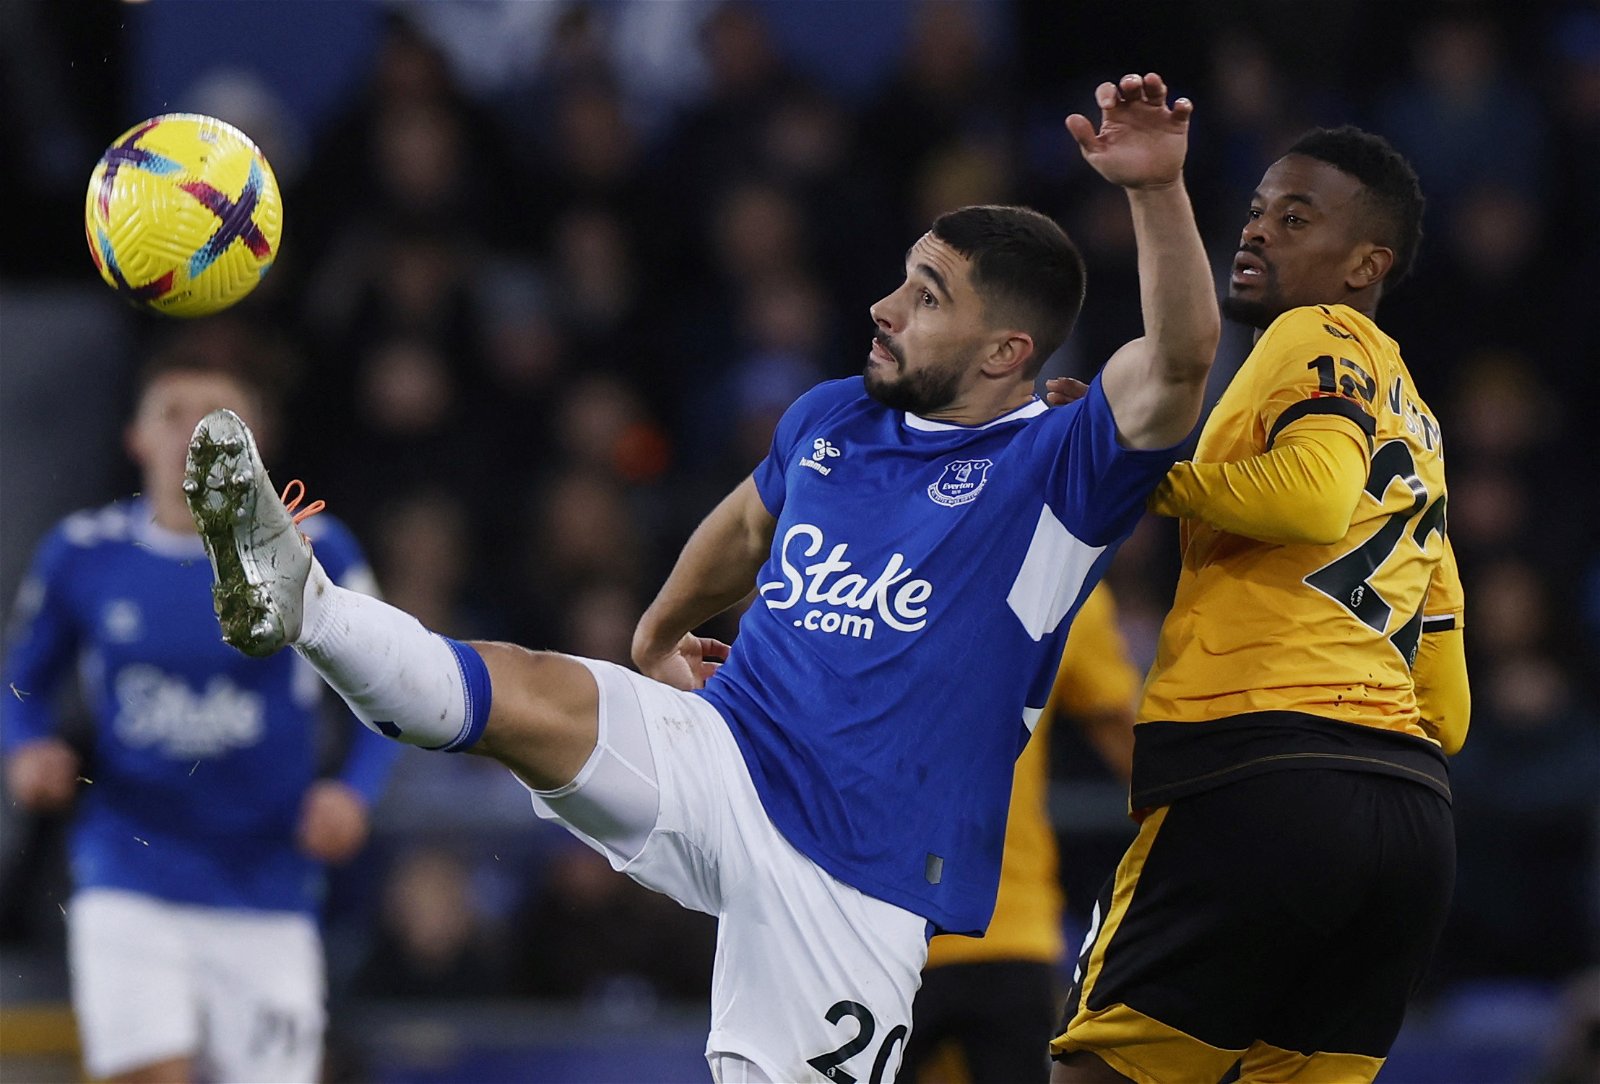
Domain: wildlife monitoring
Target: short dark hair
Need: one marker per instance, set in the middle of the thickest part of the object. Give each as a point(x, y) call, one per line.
point(1024, 266)
point(1393, 196)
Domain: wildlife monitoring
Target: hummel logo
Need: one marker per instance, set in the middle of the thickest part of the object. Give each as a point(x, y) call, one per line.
point(820, 449)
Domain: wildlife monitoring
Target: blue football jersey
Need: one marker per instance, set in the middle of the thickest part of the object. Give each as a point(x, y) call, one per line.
point(201, 756)
point(908, 626)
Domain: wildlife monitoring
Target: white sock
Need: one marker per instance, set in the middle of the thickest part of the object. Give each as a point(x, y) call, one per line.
point(401, 680)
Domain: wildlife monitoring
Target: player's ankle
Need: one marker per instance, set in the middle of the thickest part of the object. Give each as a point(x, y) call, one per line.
point(314, 605)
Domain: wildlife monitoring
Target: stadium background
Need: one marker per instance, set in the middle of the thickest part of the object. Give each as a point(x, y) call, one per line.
point(551, 271)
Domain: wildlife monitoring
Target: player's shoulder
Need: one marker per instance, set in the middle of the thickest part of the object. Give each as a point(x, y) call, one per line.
point(824, 403)
point(1338, 330)
point(831, 393)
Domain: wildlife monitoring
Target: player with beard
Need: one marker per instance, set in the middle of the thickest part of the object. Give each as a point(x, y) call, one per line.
point(920, 538)
point(1296, 850)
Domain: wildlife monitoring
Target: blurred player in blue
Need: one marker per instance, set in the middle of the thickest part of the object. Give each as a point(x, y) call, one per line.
point(919, 538)
point(199, 826)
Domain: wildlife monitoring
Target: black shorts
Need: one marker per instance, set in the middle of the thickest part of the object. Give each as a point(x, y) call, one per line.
point(1284, 919)
point(998, 1016)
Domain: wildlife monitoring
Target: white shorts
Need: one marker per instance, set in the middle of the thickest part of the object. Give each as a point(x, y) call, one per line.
point(241, 992)
point(811, 975)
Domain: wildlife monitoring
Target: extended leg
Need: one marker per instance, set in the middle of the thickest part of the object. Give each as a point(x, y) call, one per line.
point(535, 712)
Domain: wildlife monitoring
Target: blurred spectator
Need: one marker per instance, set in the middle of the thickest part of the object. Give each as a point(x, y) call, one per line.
point(600, 620)
point(433, 940)
point(943, 94)
point(424, 554)
point(594, 935)
point(1526, 822)
point(579, 530)
point(1460, 118)
point(411, 149)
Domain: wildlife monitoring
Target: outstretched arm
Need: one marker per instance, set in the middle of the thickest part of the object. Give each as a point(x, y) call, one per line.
point(1155, 384)
point(716, 569)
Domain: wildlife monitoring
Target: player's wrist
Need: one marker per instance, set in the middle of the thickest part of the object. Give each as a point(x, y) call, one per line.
point(1157, 188)
point(652, 643)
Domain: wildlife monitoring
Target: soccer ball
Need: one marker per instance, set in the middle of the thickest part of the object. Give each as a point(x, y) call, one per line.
point(183, 215)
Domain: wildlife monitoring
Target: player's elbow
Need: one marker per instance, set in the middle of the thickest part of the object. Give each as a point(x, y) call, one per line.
point(1450, 732)
point(1188, 361)
point(1325, 519)
point(1319, 523)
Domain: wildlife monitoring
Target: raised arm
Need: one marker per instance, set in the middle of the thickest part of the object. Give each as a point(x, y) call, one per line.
point(716, 569)
point(1155, 384)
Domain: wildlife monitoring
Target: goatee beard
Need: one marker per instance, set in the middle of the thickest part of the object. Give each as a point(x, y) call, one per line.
point(1256, 314)
point(920, 393)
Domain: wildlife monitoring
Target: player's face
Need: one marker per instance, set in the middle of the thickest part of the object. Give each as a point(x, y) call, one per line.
point(1300, 244)
point(173, 404)
point(930, 333)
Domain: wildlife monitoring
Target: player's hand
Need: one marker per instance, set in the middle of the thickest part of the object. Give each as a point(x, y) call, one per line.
point(1061, 390)
point(1142, 141)
point(1163, 500)
point(333, 822)
point(42, 776)
point(688, 665)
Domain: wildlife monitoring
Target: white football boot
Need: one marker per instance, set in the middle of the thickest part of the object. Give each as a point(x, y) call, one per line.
point(257, 553)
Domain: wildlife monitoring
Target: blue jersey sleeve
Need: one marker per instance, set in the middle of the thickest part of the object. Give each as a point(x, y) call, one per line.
point(370, 758)
point(787, 438)
point(43, 642)
point(1097, 487)
point(367, 765)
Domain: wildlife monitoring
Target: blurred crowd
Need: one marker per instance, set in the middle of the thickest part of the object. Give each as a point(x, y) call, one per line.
point(553, 271)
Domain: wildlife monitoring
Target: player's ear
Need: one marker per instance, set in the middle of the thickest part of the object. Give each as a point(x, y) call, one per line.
point(1372, 264)
point(1009, 354)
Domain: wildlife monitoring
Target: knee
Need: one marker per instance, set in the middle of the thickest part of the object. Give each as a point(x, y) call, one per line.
point(544, 714)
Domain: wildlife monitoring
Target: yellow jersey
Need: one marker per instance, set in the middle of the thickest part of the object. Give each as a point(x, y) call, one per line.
point(1258, 629)
point(1095, 677)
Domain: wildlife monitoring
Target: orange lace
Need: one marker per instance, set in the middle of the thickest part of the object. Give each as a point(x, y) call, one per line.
point(298, 488)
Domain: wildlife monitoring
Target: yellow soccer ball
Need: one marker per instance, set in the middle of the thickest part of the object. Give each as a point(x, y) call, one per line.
point(183, 215)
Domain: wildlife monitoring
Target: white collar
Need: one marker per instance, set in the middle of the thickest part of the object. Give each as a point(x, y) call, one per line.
point(1030, 409)
point(147, 532)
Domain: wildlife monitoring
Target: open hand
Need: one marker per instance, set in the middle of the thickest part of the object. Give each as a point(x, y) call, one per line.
point(1141, 142)
point(689, 665)
point(42, 776)
point(333, 821)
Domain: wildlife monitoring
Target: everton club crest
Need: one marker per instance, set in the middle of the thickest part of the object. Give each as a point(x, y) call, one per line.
point(961, 482)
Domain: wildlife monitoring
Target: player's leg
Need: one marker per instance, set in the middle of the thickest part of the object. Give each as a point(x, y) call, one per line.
point(1350, 999)
point(810, 974)
point(814, 979)
point(133, 990)
point(534, 711)
point(1181, 960)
